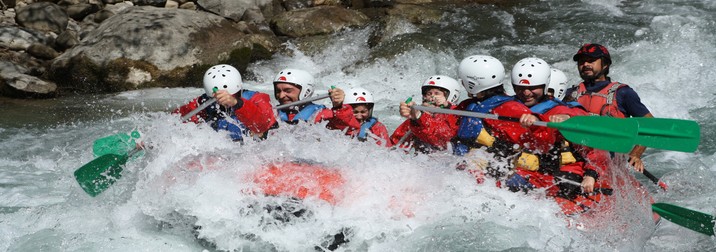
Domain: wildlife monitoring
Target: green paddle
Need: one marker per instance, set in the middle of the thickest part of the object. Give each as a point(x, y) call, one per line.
point(97, 175)
point(668, 133)
point(118, 144)
point(114, 151)
point(694, 220)
point(606, 133)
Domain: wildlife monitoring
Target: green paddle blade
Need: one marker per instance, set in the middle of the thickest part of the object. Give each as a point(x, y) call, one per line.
point(694, 220)
point(668, 133)
point(97, 175)
point(119, 144)
point(606, 133)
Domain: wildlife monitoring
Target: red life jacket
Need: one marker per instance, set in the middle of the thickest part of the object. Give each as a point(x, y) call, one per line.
point(603, 102)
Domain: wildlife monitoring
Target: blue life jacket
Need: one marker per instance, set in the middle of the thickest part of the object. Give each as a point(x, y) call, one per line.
point(365, 127)
point(470, 127)
point(304, 115)
point(545, 106)
point(235, 128)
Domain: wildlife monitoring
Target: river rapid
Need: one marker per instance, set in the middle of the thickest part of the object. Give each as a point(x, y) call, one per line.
point(663, 49)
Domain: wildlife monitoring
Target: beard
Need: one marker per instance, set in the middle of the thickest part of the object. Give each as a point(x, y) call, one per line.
point(590, 78)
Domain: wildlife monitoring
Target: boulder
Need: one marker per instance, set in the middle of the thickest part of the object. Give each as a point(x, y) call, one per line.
point(42, 51)
point(15, 83)
point(231, 9)
point(42, 16)
point(81, 10)
point(316, 21)
point(158, 47)
point(66, 40)
point(290, 5)
point(188, 6)
point(172, 4)
point(7, 17)
point(416, 14)
point(16, 38)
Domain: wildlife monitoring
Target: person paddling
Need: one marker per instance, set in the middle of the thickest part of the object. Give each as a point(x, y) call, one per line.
point(482, 77)
point(567, 164)
point(238, 111)
point(362, 125)
point(558, 84)
point(602, 96)
point(424, 131)
point(292, 85)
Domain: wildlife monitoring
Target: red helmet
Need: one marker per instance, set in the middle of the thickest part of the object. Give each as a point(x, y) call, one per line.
point(594, 51)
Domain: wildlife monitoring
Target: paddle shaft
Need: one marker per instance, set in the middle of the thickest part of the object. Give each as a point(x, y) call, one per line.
point(473, 114)
point(307, 100)
point(655, 180)
point(198, 109)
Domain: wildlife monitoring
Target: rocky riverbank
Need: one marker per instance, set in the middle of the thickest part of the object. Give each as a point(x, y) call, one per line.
point(51, 48)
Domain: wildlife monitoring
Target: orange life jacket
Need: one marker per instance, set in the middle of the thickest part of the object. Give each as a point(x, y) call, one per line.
point(603, 102)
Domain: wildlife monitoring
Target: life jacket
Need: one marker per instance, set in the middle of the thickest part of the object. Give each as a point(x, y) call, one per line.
point(471, 128)
point(235, 127)
point(547, 105)
point(305, 114)
point(602, 103)
point(365, 128)
point(561, 154)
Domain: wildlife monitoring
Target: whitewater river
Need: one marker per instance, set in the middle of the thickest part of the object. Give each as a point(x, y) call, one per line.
point(392, 202)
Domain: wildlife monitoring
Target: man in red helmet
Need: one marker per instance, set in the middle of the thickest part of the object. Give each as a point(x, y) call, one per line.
point(602, 96)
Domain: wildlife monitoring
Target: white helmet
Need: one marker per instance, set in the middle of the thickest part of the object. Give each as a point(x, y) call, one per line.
point(222, 77)
point(480, 72)
point(558, 83)
point(530, 72)
point(300, 78)
point(358, 96)
point(446, 83)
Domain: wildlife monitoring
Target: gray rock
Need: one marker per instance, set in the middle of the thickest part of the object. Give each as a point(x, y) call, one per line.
point(231, 9)
point(101, 16)
point(296, 4)
point(171, 4)
point(42, 16)
point(188, 6)
point(119, 7)
point(15, 83)
point(7, 17)
point(16, 38)
point(416, 14)
point(42, 51)
point(254, 16)
point(316, 21)
point(66, 40)
point(80, 11)
point(166, 43)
